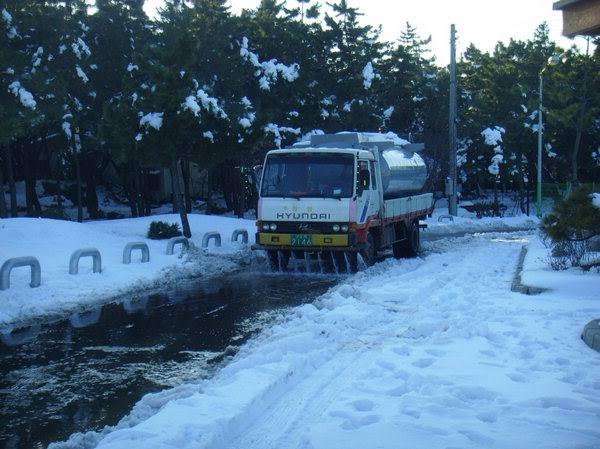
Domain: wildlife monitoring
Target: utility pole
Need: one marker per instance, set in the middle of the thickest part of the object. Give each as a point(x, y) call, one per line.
point(451, 180)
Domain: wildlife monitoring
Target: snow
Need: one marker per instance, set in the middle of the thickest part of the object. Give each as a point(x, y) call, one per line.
point(387, 114)
point(432, 352)
point(368, 75)
point(79, 48)
point(378, 137)
point(191, 105)
point(24, 95)
point(493, 136)
point(209, 135)
point(53, 241)
point(131, 67)
point(277, 130)
point(209, 103)
point(269, 71)
point(81, 74)
point(153, 120)
point(6, 17)
point(596, 199)
point(66, 127)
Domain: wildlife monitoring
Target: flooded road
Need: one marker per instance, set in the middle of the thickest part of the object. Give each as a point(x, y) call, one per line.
point(87, 371)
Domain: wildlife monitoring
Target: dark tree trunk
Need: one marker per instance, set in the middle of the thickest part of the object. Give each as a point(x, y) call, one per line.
point(30, 156)
point(146, 209)
point(185, 171)
point(185, 225)
point(130, 176)
point(3, 211)
point(14, 211)
point(79, 190)
point(91, 196)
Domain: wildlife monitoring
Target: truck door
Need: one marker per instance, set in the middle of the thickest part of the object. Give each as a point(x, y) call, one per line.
point(367, 200)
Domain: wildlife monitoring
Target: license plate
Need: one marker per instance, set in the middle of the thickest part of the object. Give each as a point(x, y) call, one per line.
point(301, 240)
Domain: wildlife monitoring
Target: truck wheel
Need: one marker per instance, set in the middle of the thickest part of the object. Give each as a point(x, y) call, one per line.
point(411, 245)
point(353, 262)
point(414, 240)
point(327, 262)
point(340, 261)
point(370, 252)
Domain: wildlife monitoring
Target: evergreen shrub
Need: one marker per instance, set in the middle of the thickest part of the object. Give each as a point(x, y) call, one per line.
point(159, 230)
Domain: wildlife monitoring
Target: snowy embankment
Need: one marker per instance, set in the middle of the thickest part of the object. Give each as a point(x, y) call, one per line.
point(433, 352)
point(441, 224)
point(53, 241)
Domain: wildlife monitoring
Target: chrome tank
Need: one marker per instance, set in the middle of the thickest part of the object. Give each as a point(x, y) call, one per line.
point(403, 173)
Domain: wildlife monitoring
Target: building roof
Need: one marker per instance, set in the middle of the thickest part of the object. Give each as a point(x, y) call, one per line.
point(580, 17)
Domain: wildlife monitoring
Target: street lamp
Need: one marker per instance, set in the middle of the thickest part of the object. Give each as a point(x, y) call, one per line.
point(553, 60)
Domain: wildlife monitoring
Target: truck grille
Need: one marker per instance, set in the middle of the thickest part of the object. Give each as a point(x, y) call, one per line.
point(301, 227)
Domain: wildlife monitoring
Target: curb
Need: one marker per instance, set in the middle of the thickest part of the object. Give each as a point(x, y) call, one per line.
point(516, 285)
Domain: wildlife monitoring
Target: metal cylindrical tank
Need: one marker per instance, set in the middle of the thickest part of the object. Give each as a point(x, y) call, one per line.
point(402, 173)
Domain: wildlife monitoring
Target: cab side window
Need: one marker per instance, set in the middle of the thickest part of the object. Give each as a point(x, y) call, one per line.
point(364, 177)
point(373, 176)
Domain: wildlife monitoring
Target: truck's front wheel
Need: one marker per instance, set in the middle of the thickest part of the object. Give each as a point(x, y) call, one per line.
point(368, 254)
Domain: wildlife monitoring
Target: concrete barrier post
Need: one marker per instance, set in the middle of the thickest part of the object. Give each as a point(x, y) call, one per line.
point(176, 241)
point(211, 236)
point(36, 271)
point(237, 233)
point(85, 252)
point(136, 245)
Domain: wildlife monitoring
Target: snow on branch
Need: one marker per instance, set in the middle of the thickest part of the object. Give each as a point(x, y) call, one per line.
point(201, 100)
point(369, 75)
point(276, 130)
point(11, 31)
point(80, 48)
point(269, 71)
point(493, 137)
point(247, 120)
point(24, 95)
point(81, 74)
point(152, 120)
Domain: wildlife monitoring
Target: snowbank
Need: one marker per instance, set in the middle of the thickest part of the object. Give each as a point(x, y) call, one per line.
point(53, 242)
point(572, 282)
point(432, 353)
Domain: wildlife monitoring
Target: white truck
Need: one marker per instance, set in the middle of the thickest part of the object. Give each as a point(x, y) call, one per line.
point(338, 195)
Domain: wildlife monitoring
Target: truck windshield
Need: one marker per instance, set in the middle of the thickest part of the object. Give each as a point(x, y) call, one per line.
point(308, 175)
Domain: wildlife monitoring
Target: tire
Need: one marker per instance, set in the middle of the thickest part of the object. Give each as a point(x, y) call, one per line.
point(411, 245)
point(369, 254)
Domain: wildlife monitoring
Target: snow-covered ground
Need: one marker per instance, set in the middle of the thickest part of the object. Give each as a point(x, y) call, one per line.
point(53, 241)
point(434, 352)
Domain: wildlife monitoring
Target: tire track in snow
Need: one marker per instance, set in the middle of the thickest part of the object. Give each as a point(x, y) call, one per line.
point(284, 421)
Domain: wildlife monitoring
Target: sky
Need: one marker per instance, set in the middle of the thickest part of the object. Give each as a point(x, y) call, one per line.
point(482, 22)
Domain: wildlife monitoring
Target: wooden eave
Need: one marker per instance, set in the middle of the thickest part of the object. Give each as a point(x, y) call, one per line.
point(580, 17)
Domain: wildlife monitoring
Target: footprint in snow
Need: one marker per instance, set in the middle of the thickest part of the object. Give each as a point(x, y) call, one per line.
point(423, 363)
point(435, 352)
point(363, 405)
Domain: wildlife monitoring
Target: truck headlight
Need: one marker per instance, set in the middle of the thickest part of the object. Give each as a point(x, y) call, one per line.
point(344, 228)
point(265, 227)
point(336, 228)
point(273, 227)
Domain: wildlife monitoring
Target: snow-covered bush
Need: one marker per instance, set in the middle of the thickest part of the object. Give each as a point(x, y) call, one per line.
point(573, 223)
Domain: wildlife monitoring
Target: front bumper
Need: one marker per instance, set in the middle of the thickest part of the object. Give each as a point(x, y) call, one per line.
point(320, 242)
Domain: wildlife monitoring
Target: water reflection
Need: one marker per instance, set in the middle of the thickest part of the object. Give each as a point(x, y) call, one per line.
point(87, 371)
